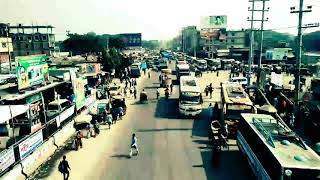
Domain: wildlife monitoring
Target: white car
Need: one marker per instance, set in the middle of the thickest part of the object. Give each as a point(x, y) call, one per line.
point(241, 80)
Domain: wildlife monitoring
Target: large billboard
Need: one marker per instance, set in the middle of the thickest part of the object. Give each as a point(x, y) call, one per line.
point(79, 93)
point(214, 22)
point(31, 70)
point(131, 39)
point(216, 34)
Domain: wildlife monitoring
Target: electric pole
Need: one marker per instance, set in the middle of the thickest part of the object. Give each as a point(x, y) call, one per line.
point(299, 53)
point(252, 20)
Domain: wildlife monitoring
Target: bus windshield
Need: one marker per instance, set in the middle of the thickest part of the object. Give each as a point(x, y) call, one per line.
point(184, 99)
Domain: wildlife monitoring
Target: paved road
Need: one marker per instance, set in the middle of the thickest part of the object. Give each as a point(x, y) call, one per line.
point(170, 147)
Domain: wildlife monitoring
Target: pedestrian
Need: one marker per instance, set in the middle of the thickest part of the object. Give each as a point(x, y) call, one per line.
point(109, 120)
point(206, 90)
point(171, 88)
point(64, 168)
point(135, 93)
point(149, 74)
point(126, 84)
point(210, 112)
point(125, 92)
point(114, 115)
point(130, 83)
point(134, 144)
point(217, 73)
point(79, 139)
point(210, 89)
point(144, 71)
point(131, 91)
point(158, 93)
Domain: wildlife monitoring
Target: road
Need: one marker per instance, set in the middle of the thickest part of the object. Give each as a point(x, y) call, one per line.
point(170, 147)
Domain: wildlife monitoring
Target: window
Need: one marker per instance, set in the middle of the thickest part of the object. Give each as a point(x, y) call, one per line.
point(221, 40)
point(42, 52)
point(232, 40)
point(44, 37)
point(27, 46)
point(14, 38)
point(20, 38)
point(28, 53)
point(233, 34)
point(4, 45)
point(3, 130)
point(29, 37)
point(36, 38)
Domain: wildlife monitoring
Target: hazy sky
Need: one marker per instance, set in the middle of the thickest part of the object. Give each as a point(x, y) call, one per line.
point(155, 19)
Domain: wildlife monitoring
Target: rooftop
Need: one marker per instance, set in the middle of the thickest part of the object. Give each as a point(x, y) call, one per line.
point(288, 148)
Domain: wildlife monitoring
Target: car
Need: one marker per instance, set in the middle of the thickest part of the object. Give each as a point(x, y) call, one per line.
point(115, 90)
point(57, 106)
point(241, 80)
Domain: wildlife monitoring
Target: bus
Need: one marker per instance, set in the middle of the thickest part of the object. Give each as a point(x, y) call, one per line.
point(274, 151)
point(226, 64)
point(201, 64)
point(213, 64)
point(182, 70)
point(190, 98)
point(135, 70)
point(234, 102)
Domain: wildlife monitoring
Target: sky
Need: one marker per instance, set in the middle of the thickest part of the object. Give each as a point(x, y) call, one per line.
point(155, 19)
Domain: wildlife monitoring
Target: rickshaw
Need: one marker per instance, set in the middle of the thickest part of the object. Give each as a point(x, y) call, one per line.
point(143, 97)
point(166, 81)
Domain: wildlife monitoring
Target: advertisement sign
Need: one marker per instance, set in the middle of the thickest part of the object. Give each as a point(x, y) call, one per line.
point(6, 159)
point(276, 79)
point(27, 146)
point(31, 70)
point(92, 68)
point(280, 53)
point(79, 93)
point(214, 22)
point(216, 34)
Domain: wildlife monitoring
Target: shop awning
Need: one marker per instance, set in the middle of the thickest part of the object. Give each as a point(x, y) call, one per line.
point(16, 110)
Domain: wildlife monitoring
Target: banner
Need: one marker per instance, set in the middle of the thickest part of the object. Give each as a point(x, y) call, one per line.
point(79, 93)
point(27, 146)
point(31, 70)
point(213, 22)
point(215, 34)
point(6, 159)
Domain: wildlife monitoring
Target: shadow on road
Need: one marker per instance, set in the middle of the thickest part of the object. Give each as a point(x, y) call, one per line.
point(201, 125)
point(230, 166)
point(165, 129)
point(167, 108)
point(121, 156)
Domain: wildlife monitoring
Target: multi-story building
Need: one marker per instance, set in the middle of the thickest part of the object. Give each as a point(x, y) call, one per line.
point(30, 40)
point(5, 49)
point(237, 39)
point(189, 39)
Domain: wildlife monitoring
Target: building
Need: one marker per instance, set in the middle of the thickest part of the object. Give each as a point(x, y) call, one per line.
point(30, 40)
point(189, 39)
point(311, 58)
point(237, 39)
point(5, 49)
point(131, 40)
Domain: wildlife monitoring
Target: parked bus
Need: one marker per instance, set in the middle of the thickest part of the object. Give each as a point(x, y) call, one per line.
point(190, 98)
point(182, 70)
point(201, 64)
point(274, 151)
point(226, 64)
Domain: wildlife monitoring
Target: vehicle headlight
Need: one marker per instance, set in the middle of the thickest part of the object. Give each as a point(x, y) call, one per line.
point(288, 172)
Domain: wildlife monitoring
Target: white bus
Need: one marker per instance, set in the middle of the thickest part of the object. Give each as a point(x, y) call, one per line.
point(190, 98)
point(201, 64)
point(182, 70)
point(274, 151)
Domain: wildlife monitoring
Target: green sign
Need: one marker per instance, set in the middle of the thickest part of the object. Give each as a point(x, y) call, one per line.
point(31, 70)
point(79, 93)
point(34, 98)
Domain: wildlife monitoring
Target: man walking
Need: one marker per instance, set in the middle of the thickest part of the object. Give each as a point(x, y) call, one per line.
point(210, 89)
point(64, 168)
point(171, 88)
point(134, 144)
point(135, 93)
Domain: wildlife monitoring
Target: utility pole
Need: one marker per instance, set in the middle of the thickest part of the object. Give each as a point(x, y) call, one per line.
point(252, 20)
point(9, 57)
point(195, 44)
point(299, 53)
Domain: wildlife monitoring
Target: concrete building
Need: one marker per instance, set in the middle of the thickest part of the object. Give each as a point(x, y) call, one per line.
point(237, 39)
point(189, 39)
point(30, 40)
point(5, 49)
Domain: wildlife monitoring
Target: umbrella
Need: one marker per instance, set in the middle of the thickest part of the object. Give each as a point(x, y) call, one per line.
point(268, 108)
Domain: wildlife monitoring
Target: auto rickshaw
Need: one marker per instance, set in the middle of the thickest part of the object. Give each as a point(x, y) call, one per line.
point(166, 81)
point(143, 97)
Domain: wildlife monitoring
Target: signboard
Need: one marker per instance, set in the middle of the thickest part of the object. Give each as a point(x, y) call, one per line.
point(216, 34)
point(65, 115)
point(34, 98)
point(92, 68)
point(79, 93)
point(214, 22)
point(27, 146)
point(31, 70)
point(280, 53)
point(6, 159)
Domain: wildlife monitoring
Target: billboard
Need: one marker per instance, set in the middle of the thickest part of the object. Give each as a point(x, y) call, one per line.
point(6, 159)
point(131, 39)
point(79, 93)
point(27, 146)
point(216, 34)
point(31, 70)
point(213, 22)
point(89, 68)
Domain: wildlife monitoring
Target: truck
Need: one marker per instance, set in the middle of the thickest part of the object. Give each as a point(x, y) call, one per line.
point(190, 99)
